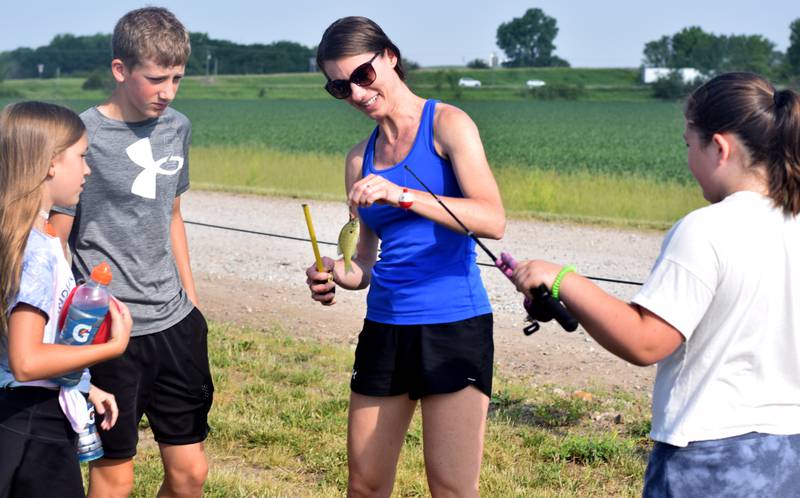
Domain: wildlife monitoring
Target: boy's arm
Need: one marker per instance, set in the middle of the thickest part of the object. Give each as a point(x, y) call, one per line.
point(180, 249)
point(62, 223)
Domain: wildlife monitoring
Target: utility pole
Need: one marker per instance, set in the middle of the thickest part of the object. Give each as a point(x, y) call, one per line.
point(208, 63)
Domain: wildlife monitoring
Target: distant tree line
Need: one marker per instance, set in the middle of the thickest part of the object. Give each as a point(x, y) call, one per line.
point(71, 55)
point(712, 53)
point(528, 41)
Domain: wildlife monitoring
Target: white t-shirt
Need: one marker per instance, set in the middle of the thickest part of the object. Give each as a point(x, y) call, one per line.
point(728, 279)
point(45, 284)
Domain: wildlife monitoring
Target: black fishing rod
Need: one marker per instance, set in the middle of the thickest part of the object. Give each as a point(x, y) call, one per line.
point(543, 307)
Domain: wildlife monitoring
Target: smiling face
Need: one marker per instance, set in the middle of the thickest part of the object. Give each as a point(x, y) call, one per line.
point(371, 99)
point(67, 173)
point(145, 90)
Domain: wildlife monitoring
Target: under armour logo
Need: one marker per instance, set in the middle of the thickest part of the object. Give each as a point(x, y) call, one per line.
point(141, 153)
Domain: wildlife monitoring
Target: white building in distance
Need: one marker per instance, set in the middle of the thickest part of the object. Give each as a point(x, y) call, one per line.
point(653, 74)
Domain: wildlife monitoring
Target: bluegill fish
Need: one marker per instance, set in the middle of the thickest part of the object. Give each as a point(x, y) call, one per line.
point(348, 238)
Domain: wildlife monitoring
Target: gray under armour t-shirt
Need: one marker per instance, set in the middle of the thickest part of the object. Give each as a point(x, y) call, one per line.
point(124, 213)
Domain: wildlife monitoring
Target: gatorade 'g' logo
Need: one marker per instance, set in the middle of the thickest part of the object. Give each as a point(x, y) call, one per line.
point(81, 333)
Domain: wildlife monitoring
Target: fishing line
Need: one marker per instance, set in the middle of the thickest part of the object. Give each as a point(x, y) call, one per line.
point(304, 239)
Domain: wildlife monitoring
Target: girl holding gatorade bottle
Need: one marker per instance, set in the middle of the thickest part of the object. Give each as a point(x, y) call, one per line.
point(720, 311)
point(41, 165)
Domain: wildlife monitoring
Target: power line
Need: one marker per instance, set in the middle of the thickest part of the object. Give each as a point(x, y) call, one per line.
point(303, 239)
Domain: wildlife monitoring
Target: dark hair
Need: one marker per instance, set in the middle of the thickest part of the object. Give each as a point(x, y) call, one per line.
point(766, 120)
point(356, 35)
point(151, 33)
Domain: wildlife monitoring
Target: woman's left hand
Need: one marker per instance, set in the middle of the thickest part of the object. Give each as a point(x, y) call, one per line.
point(371, 189)
point(104, 404)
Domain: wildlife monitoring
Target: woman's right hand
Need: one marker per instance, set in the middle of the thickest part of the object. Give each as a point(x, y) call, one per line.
point(321, 283)
point(121, 324)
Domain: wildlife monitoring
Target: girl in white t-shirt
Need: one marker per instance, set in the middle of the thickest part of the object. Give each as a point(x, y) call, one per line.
point(720, 311)
point(42, 149)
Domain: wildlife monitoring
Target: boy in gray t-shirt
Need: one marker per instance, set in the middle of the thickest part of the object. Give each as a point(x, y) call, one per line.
point(129, 215)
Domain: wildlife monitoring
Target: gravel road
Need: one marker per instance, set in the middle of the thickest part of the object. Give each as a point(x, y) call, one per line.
point(256, 280)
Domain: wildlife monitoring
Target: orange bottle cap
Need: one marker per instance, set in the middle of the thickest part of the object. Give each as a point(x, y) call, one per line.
point(102, 273)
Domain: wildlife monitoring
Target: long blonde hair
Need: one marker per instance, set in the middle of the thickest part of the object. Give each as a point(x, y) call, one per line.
point(32, 134)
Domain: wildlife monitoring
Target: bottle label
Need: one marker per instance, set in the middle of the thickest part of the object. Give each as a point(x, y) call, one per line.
point(90, 447)
point(80, 326)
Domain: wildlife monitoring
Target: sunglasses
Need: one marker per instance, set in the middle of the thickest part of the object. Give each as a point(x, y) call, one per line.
point(363, 75)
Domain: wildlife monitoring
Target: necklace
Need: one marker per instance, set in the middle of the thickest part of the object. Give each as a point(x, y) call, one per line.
point(44, 214)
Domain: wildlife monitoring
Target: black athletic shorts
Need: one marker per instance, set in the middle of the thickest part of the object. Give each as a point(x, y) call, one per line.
point(38, 448)
point(165, 376)
point(424, 359)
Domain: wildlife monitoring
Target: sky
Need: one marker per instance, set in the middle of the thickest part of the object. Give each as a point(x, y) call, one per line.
point(610, 33)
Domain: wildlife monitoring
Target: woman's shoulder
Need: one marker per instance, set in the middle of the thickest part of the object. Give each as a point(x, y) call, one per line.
point(449, 114)
point(451, 125)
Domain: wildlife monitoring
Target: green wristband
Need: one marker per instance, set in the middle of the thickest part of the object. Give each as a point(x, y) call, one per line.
point(559, 278)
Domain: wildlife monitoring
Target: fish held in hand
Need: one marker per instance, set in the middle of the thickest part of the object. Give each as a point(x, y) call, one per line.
point(348, 238)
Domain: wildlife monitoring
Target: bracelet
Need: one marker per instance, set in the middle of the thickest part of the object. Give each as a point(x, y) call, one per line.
point(557, 282)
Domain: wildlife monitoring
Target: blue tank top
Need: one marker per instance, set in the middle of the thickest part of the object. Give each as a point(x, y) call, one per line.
point(425, 273)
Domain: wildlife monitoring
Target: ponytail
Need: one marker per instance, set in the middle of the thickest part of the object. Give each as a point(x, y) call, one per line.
point(767, 122)
point(784, 166)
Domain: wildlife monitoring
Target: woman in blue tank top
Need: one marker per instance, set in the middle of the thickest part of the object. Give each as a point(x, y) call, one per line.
point(428, 331)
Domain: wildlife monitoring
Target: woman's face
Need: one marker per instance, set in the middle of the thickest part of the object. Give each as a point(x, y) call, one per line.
point(370, 99)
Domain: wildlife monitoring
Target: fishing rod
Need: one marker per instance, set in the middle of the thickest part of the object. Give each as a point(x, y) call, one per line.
point(543, 307)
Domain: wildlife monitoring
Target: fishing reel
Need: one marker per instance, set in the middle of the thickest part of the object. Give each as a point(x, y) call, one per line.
point(543, 307)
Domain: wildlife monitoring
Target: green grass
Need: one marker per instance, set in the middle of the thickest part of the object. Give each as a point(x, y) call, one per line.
point(598, 137)
point(280, 415)
point(578, 196)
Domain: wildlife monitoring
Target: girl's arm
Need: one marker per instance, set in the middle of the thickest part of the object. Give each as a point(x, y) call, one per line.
point(456, 138)
point(30, 359)
point(180, 250)
point(627, 330)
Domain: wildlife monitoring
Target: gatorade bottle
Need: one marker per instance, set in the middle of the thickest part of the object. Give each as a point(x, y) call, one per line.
point(89, 445)
point(85, 315)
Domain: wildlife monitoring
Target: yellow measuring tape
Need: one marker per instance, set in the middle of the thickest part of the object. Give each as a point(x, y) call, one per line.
point(313, 237)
